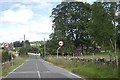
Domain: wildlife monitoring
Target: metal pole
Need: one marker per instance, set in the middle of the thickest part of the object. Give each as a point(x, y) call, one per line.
point(57, 52)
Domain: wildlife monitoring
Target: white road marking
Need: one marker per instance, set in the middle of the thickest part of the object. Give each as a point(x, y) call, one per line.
point(25, 72)
point(37, 70)
point(66, 71)
point(15, 69)
point(38, 74)
point(36, 65)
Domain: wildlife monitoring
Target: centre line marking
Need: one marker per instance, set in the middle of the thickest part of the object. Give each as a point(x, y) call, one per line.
point(37, 70)
point(25, 72)
point(38, 74)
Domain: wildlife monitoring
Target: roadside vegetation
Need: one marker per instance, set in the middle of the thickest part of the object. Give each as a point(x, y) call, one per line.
point(0, 62)
point(89, 70)
point(9, 60)
point(89, 31)
point(11, 66)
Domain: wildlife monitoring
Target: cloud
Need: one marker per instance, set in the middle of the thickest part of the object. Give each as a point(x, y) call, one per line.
point(26, 1)
point(31, 19)
point(18, 16)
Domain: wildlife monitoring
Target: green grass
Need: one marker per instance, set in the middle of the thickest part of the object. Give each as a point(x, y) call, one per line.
point(0, 72)
point(90, 70)
point(8, 67)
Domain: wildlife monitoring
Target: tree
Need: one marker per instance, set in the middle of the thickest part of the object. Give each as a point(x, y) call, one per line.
point(17, 44)
point(101, 25)
point(25, 49)
point(70, 23)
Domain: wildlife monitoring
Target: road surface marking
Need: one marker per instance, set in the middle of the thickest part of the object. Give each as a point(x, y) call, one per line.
point(15, 69)
point(38, 74)
point(37, 70)
point(25, 72)
point(36, 65)
point(66, 71)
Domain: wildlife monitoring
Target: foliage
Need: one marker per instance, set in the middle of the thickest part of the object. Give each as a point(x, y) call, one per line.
point(25, 49)
point(18, 44)
point(6, 56)
point(69, 23)
point(87, 70)
point(34, 50)
point(102, 27)
point(17, 62)
point(84, 28)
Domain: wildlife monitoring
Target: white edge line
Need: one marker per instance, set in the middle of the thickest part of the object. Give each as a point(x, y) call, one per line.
point(66, 71)
point(14, 69)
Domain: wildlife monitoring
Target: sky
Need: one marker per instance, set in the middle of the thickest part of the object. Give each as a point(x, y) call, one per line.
point(29, 17)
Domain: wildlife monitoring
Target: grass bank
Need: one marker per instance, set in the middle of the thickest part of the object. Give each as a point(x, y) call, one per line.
point(8, 67)
point(87, 70)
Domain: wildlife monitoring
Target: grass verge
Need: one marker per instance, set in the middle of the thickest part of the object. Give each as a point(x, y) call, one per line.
point(90, 70)
point(8, 67)
point(0, 72)
point(0, 62)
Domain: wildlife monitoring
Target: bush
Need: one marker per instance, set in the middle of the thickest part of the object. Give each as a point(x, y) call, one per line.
point(6, 56)
point(34, 50)
point(24, 50)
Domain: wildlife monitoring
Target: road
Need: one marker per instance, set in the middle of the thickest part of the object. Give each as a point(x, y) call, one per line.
point(36, 69)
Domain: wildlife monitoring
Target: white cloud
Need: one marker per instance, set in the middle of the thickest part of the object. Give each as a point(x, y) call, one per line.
point(19, 19)
point(30, 1)
point(18, 6)
point(34, 31)
point(19, 16)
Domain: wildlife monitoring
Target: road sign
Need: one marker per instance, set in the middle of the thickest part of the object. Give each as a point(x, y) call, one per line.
point(61, 43)
point(6, 45)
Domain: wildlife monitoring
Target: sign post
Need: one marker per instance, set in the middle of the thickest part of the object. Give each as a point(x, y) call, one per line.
point(61, 43)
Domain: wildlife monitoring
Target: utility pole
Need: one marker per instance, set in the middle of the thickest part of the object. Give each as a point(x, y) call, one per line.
point(44, 48)
point(24, 41)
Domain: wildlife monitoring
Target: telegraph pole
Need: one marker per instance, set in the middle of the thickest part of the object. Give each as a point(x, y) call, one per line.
point(24, 41)
point(44, 48)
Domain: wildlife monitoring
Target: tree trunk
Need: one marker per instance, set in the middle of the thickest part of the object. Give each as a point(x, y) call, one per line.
point(112, 44)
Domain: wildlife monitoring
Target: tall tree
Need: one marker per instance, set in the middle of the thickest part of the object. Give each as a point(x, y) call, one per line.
point(70, 22)
point(102, 24)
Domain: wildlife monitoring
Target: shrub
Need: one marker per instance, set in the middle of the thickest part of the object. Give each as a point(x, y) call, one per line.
point(6, 56)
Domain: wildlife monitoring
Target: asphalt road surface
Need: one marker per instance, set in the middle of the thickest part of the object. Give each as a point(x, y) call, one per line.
point(36, 69)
